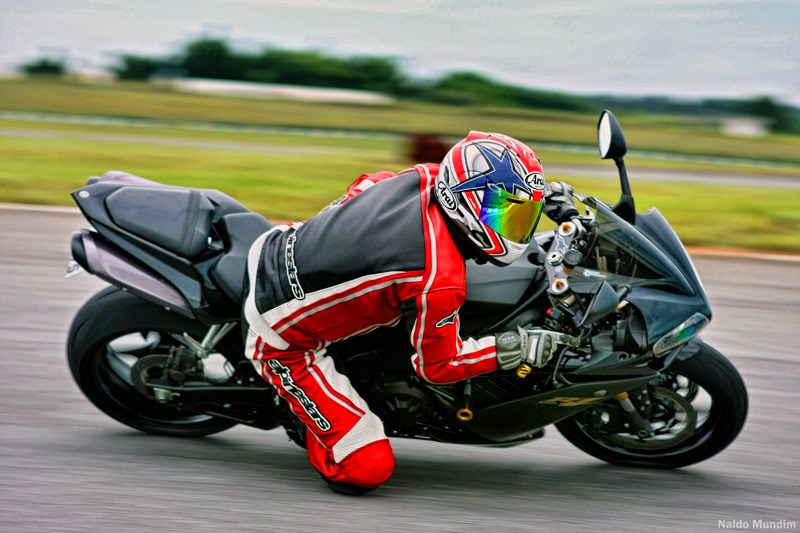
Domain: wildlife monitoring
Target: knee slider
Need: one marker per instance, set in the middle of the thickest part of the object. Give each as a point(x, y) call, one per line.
point(369, 466)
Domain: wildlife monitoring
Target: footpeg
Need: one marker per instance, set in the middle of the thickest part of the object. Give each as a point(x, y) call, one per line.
point(465, 413)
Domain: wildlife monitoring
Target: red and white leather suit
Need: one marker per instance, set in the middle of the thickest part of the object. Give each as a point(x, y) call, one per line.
point(304, 296)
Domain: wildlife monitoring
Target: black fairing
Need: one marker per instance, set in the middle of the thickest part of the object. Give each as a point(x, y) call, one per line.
point(192, 278)
point(176, 219)
point(663, 310)
point(657, 268)
point(656, 228)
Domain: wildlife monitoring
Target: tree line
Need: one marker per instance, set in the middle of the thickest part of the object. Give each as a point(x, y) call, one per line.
point(214, 58)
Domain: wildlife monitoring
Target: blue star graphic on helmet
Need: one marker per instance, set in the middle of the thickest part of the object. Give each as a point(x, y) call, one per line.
point(501, 172)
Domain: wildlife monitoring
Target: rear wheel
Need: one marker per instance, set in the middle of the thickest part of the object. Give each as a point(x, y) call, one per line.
point(109, 334)
point(695, 409)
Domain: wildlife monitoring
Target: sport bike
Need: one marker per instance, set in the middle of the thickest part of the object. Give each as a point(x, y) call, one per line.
point(631, 383)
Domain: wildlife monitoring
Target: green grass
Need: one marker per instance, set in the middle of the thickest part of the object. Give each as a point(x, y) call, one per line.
point(713, 215)
point(295, 185)
point(644, 132)
point(549, 157)
point(363, 146)
point(280, 185)
point(212, 135)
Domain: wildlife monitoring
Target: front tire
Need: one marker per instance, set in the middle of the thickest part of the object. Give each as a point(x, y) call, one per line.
point(100, 372)
point(708, 371)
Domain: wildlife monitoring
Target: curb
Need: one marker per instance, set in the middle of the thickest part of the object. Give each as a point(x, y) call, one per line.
point(693, 252)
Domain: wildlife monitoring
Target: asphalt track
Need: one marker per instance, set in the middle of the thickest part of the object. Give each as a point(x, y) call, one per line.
point(65, 467)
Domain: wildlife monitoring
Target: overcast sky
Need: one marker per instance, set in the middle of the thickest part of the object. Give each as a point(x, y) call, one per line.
point(672, 47)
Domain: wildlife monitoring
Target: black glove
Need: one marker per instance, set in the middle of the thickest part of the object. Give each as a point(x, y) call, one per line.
point(559, 204)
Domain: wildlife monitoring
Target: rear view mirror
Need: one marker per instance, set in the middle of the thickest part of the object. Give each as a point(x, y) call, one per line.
point(605, 301)
point(610, 139)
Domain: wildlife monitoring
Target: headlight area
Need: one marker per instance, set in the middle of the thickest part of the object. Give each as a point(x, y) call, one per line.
point(684, 332)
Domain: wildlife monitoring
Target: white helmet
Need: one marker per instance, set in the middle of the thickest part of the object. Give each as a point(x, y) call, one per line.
point(491, 187)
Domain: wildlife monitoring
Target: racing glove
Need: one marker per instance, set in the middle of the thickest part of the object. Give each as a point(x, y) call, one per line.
point(559, 204)
point(532, 346)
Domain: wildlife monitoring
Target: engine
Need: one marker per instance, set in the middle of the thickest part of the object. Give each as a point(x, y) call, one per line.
point(405, 409)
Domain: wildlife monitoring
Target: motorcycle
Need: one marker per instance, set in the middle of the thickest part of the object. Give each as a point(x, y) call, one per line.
point(161, 349)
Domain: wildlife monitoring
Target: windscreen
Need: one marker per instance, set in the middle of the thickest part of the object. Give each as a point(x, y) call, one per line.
point(620, 254)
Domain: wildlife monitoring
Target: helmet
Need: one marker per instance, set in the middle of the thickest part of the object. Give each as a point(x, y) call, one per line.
point(491, 189)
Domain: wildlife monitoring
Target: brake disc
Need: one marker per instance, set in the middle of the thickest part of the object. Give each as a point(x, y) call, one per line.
point(668, 400)
point(146, 368)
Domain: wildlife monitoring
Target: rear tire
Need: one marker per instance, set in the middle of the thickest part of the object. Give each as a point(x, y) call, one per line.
point(711, 371)
point(111, 314)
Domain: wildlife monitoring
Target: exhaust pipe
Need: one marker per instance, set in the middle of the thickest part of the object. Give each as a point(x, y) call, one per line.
point(114, 266)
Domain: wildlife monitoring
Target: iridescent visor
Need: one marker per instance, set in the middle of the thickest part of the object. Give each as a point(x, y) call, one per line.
point(512, 217)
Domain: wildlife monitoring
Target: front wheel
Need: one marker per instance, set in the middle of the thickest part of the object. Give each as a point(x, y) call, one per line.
point(696, 409)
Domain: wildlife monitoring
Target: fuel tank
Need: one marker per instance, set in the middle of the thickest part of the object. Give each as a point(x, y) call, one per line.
point(494, 285)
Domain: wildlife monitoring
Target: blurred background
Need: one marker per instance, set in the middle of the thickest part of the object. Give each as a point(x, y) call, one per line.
point(282, 103)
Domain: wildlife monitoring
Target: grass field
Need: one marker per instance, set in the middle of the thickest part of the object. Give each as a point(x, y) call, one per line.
point(295, 183)
point(644, 132)
point(363, 145)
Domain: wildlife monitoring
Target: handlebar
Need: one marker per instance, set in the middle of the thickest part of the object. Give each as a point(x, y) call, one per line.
point(559, 203)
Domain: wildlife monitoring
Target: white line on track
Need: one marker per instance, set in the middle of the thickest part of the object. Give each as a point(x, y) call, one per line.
point(35, 208)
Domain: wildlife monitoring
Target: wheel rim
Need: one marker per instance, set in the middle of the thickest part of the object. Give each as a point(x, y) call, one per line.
point(110, 372)
point(700, 418)
point(672, 420)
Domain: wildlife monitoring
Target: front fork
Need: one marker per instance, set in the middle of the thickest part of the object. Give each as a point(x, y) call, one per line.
point(637, 422)
point(640, 424)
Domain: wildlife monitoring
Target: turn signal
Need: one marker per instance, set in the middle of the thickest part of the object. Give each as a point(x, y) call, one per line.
point(684, 332)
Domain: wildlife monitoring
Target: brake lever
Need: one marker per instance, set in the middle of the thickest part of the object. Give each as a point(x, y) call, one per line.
point(559, 338)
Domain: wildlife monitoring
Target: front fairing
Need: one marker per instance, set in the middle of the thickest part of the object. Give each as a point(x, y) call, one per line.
point(656, 228)
point(665, 286)
point(622, 255)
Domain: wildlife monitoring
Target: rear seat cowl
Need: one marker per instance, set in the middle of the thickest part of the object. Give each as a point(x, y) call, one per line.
point(176, 219)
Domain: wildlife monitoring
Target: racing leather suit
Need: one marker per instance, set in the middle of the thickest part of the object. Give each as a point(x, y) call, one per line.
point(379, 254)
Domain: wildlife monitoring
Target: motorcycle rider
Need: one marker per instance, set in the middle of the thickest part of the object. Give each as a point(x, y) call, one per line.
point(392, 248)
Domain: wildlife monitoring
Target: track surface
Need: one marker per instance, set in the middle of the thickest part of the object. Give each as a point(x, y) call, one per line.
point(64, 466)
